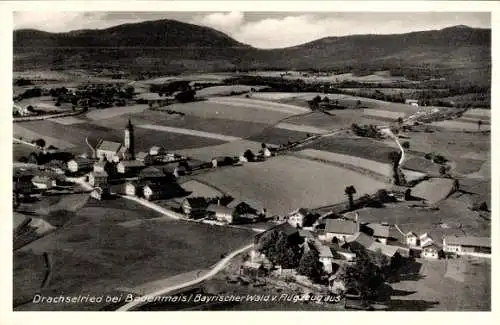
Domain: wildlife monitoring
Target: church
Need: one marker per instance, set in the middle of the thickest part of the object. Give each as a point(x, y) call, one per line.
point(114, 151)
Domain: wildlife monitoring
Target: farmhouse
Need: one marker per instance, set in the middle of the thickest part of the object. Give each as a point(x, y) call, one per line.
point(80, 164)
point(129, 166)
point(108, 149)
point(431, 251)
point(412, 239)
point(467, 245)
point(157, 191)
point(378, 231)
point(223, 213)
point(194, 206)
point(341, 229)
point(131, 188)
point(425, 240)
point(43, 182)
point(412, 102)
point(361, 240)
point(297, 217)
point(98, 178)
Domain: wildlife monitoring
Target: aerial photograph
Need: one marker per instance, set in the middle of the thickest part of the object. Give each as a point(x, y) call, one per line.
point(251, 161)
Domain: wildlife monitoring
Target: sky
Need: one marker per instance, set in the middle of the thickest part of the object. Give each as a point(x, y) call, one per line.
point(263, 29)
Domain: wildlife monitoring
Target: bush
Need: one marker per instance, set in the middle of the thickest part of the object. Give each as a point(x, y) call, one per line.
point(406, 145)
point(480, 206)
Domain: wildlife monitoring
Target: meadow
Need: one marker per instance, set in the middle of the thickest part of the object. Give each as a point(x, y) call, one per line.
point(122, 256)
point(286, 183)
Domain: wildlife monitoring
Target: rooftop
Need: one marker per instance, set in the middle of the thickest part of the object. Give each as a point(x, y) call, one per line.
point(131, 163)
point(149, 172)
point(341, 226)
point(109, 146)
point(379, 230)
point(220, 209)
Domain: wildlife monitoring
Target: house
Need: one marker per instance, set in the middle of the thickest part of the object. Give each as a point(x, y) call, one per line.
point(80, 164)
point(431, 251)
point(101, 166)
point(341, 229)
point(153, 191)
point(131, 188)
point(223, 213)
point(253, 269)
point(43, 182)
point(467, 245)
point(297, 217)
point(157, 151)
point(379, 232)
point(194, 206)
point(99, 193)
point(362, 240)
point(108, 149)
point(341, 254)
point(412, 239)
point(98, 178)
point(306, 234)
point(425, 240)
point(129, 166)
point(325, 256)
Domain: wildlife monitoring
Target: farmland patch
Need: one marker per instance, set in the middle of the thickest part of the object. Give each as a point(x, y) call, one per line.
point(478, 113)
point(228, 111)
point(69, 120)
point(260, 104)
point(225, 90)
point(300, 128)
point(390, 115)
point(29, 131)
point(189, 132)
point(286, 183)
point(98, 114)
point(461, 125)
point(231, 149)
point(200, 189)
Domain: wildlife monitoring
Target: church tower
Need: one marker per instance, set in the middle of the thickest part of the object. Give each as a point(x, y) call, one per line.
point(129, 141)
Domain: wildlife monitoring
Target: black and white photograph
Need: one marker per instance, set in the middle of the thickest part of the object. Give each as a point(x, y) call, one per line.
point(313, 160)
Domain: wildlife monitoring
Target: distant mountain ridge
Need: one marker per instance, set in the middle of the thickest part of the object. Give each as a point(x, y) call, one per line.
point(168, 46)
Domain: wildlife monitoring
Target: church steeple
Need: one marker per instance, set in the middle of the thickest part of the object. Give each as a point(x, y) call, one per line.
point(129, 141)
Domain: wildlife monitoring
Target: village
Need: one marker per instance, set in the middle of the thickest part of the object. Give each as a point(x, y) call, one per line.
point(318, 250)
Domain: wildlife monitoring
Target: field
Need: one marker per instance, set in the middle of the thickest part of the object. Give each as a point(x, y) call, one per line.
point(225, 90)
point(433, 190)
point(478, 113)
point(286, 183)
point(461, 125)
point(69, 120)
point(199, 189)
point(390, 115)
point(300, 128)
point(29, 131)
point(30, 271)
point(126, 256)
point(212, 125)
point(235, 148)
point(99, 114)
point(21, 150)
point(357, 147)
point(44, 103)
point(201, 134)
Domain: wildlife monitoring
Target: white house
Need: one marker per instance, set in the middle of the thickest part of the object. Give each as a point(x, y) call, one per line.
point(430, 251)
point(99, 166)
point(412, 102)
point(425, 240)
point(223, 213)
point(99, 193)
point(98, 178)
point(412, 239)
point(342, 229)
point(326, 258)
point(79, 164)
point(297, 217)
point(108, 149)
point(467, 245)
point(131, 188)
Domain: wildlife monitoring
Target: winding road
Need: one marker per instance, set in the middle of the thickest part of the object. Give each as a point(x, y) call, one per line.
point(216, 269)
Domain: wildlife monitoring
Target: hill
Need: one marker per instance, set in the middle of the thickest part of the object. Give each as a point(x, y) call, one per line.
point(168, 46)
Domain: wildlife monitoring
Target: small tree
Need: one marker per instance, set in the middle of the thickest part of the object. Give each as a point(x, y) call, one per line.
point(406, 145)
point(40, 142)
point(310, 265)
point(400, 120)
point(350, 191)
point(479, 123)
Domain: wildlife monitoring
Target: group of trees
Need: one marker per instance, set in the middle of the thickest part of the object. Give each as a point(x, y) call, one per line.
point(369, 131)
point(279, 250)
